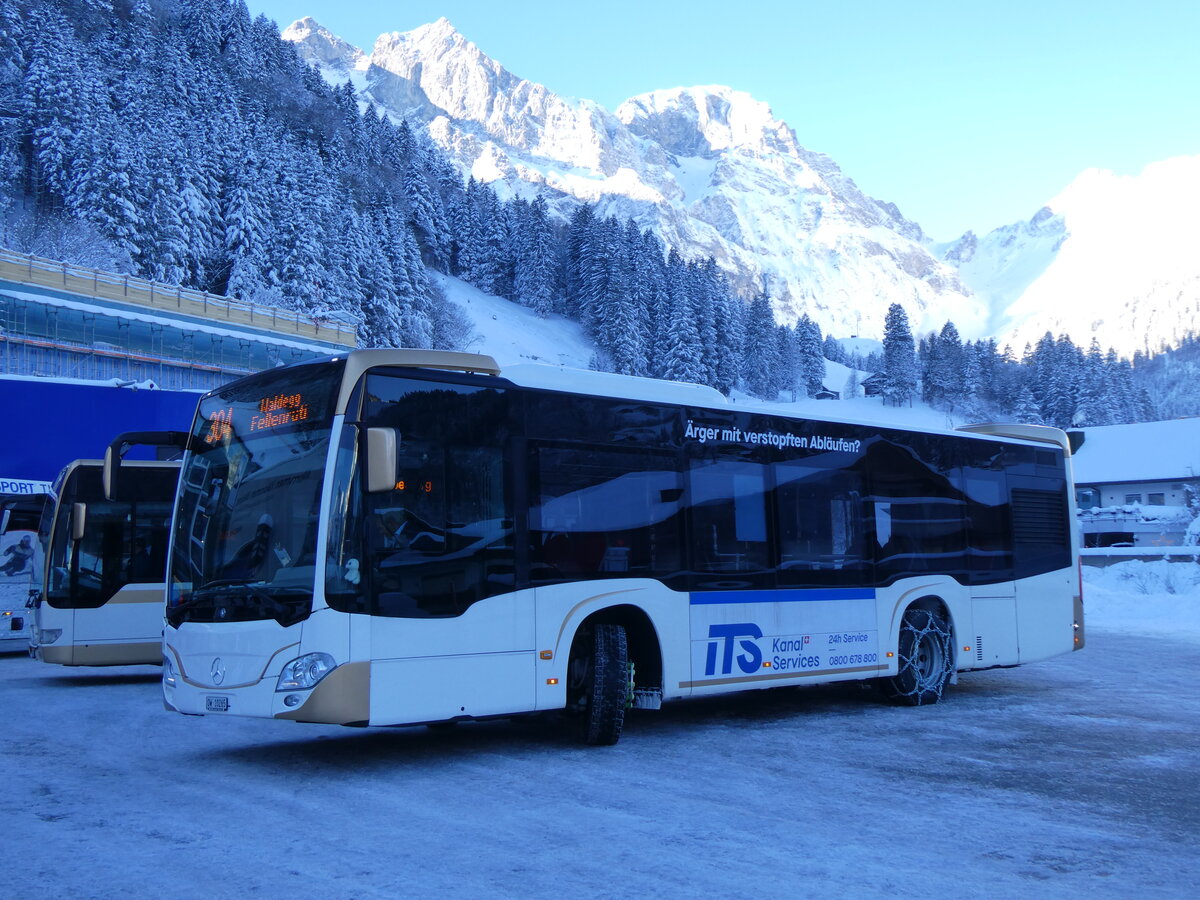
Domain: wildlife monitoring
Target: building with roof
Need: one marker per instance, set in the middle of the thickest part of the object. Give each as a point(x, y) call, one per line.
point(87, 354)
point(64, 321)
point(1134, 483)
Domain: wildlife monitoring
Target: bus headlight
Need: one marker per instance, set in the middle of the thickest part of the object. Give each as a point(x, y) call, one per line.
point(305, 672)
point(49, 635)
point(168, 672)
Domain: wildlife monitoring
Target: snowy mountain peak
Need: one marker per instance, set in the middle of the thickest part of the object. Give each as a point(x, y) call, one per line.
point(1112, 257)
point(709, 168)
point(704, 121)
point(323, 46)
point(430, 42)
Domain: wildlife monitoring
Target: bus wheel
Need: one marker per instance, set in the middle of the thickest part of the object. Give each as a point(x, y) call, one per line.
point(598, 680)
point(926, 659)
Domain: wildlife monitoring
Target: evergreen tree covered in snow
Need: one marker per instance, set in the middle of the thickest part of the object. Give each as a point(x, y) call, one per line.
point(811, 352)
point(761, 352)
point(899, 358)
point(201, 151)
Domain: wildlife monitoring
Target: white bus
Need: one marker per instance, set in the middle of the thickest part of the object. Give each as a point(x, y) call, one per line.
point(22, 504)
point(407, 537)
point(103, 590)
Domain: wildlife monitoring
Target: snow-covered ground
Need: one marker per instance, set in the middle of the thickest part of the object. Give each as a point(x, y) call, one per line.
point(1157, 598)
point(1077, 776)
point(512, 334)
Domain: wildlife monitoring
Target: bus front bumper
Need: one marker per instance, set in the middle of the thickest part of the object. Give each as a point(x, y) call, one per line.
point(341, 697)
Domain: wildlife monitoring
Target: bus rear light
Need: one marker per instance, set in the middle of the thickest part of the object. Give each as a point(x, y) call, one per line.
point(305, 672)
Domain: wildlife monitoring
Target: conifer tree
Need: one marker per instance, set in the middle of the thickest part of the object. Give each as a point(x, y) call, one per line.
point(1026, 409)
point(681, 358)
point(760, 354)
point(535, 264)
point(730, 336)
point(946, 369)
point(811, 355)
point(425, 218)
point(787, 374)
point(899, 358)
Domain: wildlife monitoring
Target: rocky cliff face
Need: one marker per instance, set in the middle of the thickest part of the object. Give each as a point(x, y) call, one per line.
point(708, 168)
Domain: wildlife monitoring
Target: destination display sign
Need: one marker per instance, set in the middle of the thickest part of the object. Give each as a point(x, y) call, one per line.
point(268, 404)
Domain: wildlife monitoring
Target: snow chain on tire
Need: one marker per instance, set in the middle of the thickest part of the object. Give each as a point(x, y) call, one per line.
point(926, 659)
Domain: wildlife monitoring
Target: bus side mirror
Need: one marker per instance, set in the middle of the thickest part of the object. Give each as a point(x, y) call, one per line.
point(78, 521)
point(119, 445)
point(381, 460)
point(112, 465)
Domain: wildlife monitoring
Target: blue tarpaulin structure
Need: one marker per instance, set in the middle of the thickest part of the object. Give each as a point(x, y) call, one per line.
point(51, 423)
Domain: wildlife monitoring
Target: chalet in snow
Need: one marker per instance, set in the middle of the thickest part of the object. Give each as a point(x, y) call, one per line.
point(1136, 485)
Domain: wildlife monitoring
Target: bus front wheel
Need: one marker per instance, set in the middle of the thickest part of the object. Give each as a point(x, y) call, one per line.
point(598, 682)
point(926, 659)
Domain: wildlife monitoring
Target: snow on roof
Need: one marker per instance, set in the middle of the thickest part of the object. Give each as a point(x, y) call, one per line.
point(1148, 451)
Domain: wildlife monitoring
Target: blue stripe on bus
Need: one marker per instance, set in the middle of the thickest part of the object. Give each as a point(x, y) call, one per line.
point(784, 596)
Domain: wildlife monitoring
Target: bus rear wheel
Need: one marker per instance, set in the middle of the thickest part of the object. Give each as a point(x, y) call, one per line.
point(598, 681)
point(926, 659)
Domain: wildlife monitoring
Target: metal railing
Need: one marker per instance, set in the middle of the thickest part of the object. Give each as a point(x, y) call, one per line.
point(34, 270)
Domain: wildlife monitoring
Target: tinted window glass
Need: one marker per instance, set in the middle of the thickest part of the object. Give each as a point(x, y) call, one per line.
point(600, 421)
point(442, 539)
point(245, 533)
point(989, 516)
point(124, 542)
point(821, 528)
point(729, 524)
point(1040, 528)
point(597, 513)
point(918, 507)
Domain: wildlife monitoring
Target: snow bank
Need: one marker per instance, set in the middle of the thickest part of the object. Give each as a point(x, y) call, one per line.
point(1157, 598)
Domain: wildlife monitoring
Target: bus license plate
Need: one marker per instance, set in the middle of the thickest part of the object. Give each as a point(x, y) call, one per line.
point(216, 704)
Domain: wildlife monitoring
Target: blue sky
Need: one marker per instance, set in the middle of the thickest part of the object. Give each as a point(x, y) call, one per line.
point(967, 115)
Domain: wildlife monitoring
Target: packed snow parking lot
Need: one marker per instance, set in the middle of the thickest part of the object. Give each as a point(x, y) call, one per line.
point(1077, 775)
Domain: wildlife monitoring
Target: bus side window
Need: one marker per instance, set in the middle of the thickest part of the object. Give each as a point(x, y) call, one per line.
point(989, 523)
point(729, 523)
point(820, 524)
point(603, 513)
point(346, 575)
point(919, 508)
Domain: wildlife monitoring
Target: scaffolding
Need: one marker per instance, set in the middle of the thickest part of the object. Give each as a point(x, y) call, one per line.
point(192, 341)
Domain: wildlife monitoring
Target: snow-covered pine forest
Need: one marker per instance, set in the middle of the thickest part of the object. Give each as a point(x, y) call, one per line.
point(184, 141)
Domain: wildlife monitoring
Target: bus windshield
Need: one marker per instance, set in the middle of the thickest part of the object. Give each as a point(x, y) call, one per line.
point(246, 526)
point(124, 542)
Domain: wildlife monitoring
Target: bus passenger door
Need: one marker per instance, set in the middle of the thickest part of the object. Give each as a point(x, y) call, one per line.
point(449, 636)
